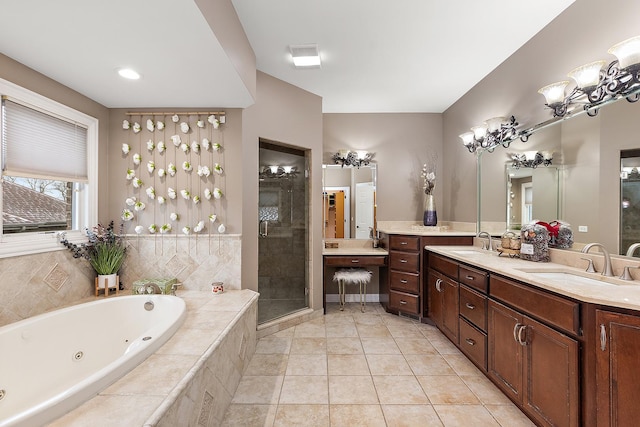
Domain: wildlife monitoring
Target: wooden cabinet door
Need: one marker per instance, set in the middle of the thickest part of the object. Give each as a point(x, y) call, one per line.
point(435, 298)
point(504, 352)
point(450, 309)
point(551, 393)
point(617, 368)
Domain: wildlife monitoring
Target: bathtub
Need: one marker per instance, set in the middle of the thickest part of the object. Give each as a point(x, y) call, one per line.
point(51, 363)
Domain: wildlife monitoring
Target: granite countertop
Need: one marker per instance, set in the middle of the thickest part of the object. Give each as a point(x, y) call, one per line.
point(427, 231)
point(610, 291)
point(346, 251)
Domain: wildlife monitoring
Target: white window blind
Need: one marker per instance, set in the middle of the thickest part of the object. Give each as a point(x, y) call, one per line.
point(40, 145)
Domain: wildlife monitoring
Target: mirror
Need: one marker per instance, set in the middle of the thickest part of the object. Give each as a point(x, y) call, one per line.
point(349, 197)
point(587, 152)
point(532, 193)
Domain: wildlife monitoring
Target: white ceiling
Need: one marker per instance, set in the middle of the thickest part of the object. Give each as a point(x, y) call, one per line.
point(378, 56)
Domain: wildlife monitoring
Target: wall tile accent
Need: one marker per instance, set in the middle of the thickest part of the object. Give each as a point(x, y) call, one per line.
point(34, 284)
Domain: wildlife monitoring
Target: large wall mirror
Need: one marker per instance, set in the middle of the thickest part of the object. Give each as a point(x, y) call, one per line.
point(589, 161)
point(349, 197)
point(532, 193)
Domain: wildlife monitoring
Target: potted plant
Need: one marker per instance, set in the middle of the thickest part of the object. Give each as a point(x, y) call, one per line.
point(105, 252)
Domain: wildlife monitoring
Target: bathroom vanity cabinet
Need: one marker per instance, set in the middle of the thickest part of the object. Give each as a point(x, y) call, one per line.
point(565, 357)
point(403, 291)
point(617, 371)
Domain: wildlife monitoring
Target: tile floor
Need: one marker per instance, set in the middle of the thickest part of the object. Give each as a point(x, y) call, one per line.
point(365, 369)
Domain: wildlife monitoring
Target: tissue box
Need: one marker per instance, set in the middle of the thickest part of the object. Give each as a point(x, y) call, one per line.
point(163, 284)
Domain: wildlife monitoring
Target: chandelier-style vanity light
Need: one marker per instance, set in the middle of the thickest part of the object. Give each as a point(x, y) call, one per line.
point(596, 84)
point(278, 172)
point(531, 159)
point(352, 158)
point(492, 133)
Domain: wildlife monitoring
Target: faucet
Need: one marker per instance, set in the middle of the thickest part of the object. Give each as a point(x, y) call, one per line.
point(152, 288)
point(485, 234)
point(607, 271)
point(632, 249)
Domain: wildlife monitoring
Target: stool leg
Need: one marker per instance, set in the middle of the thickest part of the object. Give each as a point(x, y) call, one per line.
point(363, 296)
point(341, 294)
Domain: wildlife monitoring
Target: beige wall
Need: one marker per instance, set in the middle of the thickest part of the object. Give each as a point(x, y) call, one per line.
point(402, 143)
point(512, 89)
point(286, 114)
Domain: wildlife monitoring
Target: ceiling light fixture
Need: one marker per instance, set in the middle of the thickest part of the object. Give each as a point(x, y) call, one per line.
point(128, 73)
point(598, 83)
point(305, 55)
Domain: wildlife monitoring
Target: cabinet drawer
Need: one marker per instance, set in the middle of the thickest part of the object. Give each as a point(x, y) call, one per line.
point(473, 306)
point(561, 312)
point(406, 282)
point(473, 343)
point(443, 265)
point(356, 261)
point(404, 261)
point(475, 278)
point(404, 302)
point(404, 243)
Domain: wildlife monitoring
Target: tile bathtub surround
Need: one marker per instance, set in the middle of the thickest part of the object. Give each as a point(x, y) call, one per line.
point(38, 283)
point(191, 379)
point(375, 369)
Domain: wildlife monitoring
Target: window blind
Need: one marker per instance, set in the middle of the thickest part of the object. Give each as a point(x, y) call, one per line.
point(40, 145)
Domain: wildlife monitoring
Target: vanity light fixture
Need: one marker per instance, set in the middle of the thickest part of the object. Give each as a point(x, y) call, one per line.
point(491, 134)
point(128, 73)
point(531, 159)
point(277, 172)
point(305, 56)
point(352, 158)
point(597, 83)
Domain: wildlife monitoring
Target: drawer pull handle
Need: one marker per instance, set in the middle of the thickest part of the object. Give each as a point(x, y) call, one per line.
point(403, 302)
point(438, 283)
point(470, 277)
point(355, 261)
point(403, 281)
point(470, 341)
point(603, 337)
point(403, 243)
point(470, 306)
point(404, 261)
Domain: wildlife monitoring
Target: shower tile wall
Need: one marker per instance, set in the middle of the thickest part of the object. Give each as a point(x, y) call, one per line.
point(34, 284)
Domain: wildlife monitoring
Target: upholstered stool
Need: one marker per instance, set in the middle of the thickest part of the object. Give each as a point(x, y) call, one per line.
point(352, 276)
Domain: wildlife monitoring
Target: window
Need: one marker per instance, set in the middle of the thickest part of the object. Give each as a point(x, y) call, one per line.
point(49, 172)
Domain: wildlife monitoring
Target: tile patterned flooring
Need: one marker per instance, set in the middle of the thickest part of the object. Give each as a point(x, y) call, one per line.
point(365, 369)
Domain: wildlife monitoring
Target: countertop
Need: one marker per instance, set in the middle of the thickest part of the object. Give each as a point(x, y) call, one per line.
point(346, 251)
point(609, 291)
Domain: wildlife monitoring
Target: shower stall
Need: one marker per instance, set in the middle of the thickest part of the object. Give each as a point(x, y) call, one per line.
point(283, 241)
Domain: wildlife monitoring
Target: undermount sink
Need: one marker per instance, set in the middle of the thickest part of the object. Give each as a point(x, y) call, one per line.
point(468, 252)
point(568, 278)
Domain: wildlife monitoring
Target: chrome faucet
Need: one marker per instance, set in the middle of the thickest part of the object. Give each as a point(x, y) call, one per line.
point(485, 234)
point(152, 288)
point(632, 249)
point(606, 271)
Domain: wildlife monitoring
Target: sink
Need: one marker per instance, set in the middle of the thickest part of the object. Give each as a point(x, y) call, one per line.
point(468, 252)
point(567, 278)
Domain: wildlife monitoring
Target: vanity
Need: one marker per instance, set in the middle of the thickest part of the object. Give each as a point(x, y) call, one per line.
point(561, 343)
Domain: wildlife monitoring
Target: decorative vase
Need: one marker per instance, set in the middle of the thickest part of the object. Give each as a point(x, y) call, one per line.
point(111, 281)
point(430, 217)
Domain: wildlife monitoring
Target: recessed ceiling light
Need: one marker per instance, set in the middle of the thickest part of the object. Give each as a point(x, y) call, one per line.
point(128, 73)
point(305, 56)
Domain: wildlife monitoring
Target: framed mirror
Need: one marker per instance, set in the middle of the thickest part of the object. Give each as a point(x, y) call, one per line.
point(532, 193)
point(349, 197)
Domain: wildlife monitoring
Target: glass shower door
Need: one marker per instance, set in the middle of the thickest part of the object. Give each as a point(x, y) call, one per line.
point(283, 232)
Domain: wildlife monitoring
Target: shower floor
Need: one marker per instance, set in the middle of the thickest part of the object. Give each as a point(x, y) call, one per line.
point(271, 309)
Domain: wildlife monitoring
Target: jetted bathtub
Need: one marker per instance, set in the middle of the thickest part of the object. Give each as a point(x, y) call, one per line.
point(51, 363)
